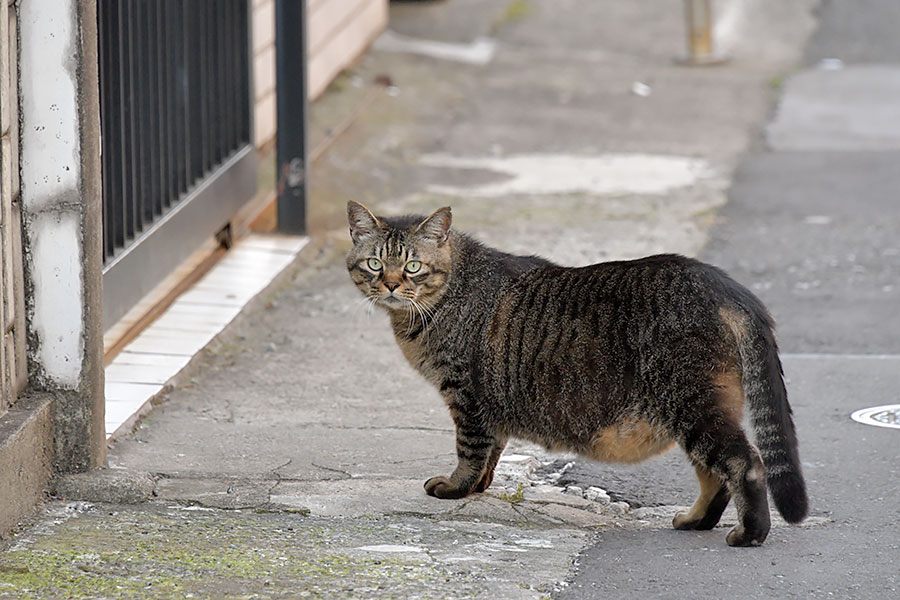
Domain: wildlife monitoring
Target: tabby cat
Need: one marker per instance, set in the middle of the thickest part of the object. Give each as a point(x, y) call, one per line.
point(617, 361)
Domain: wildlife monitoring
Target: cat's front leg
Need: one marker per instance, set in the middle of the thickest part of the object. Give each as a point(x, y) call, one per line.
point(474, 448)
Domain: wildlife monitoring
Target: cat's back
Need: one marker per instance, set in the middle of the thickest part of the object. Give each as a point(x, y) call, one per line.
point(654, 282)
point(617, 303)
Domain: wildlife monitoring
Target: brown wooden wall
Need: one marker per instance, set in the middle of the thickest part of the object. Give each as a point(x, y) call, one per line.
point(12, 304)
point(338, 32)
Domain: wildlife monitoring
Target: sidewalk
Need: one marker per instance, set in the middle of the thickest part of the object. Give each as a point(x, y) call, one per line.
point(290, 461)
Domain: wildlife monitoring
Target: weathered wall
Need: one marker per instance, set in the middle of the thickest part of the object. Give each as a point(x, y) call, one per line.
point(61, 215)
point(26, 446)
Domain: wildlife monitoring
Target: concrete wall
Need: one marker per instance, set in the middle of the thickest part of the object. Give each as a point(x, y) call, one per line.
point(61, 214)
point(338, 31)
point(26, 447)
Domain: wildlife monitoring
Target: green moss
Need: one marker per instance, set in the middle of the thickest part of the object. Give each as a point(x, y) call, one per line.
point(515, 11)
point(515, 497)
point(171, 554)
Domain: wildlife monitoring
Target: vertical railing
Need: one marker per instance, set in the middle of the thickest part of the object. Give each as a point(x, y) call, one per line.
point(174, 78)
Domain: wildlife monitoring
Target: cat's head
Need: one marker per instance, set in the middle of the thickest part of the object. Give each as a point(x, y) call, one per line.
point(401, 262)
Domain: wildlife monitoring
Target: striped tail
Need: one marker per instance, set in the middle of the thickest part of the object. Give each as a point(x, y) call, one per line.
point(770, 414)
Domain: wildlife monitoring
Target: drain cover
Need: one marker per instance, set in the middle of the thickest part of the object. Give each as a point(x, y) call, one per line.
point(880, 416)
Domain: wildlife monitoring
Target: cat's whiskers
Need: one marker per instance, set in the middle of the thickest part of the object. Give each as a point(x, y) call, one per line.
point(366, 303)
point(425, 312)
point(410, 316)
point(371, 306)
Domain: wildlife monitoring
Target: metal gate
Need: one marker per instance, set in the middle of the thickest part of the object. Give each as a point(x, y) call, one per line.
point(175, 103)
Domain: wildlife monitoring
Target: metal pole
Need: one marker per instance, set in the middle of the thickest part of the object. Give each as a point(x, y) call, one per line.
point(291, 100)
point(699, 20)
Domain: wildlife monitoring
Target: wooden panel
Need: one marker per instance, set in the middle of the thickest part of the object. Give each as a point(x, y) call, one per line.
point(338, 32)
point(6, 226)
point(328, 19)
point(264, 73)
point(13, 365)
point(5, 72)
point(6, 291)
point(19, 370)
point(13, 105)
point(264, 124)
point(345, 44)
point(6, 396)
point(263, 18)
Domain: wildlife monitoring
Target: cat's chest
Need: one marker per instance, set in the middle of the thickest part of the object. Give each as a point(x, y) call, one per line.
point(421, 357)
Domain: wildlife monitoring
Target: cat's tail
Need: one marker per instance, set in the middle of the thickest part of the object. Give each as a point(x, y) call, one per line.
point(770, 413)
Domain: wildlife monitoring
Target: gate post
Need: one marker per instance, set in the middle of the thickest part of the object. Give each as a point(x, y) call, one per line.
point(700, 39)
point(61, 206)
point(291, 101)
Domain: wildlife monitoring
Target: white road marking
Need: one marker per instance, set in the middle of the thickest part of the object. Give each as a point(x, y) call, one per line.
point(479, 52)
point(604, 174)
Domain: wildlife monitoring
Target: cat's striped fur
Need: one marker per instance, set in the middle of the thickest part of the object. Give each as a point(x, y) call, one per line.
point(617, 361)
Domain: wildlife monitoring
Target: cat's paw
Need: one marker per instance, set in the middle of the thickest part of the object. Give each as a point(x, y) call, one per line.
point(440, 487)
point(741, 536)
point(485, 481)
point(685, 521)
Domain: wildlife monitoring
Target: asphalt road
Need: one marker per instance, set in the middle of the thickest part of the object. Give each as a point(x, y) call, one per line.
point(812, 227)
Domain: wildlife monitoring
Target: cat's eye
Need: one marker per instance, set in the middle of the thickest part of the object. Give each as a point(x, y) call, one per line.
point(374, 264)
point(413, 266)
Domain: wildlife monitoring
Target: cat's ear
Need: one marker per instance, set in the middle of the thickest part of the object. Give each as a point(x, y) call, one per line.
point(437, 226)
point(362, 222)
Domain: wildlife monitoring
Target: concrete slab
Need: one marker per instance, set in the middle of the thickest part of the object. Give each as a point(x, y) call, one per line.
point(26, 458)
point(162, 551)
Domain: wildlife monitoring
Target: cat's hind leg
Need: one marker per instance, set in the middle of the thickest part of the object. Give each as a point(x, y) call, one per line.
point(718, 444)
point(709, 505)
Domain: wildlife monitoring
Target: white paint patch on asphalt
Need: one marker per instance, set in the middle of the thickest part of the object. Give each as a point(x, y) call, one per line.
point(479, 52)
point(547, 174)
point(391, 548)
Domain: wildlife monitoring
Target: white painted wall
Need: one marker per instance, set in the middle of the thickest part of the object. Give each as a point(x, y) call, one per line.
point(50, 186)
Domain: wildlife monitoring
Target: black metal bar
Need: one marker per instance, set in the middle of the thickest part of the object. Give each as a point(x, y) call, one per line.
point(103, 33)
point(291, 98)
point(129, 126)
point(244, 68)
point(142, 177)
point(231, 66)
point(179, 92)
point(166, 148)
point(205, 87)
point(112, 139)
point(158, 108)
point(153, 203)
point(221, 98)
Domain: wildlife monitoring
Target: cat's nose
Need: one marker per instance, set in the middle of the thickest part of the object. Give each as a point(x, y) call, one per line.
point(391, 285)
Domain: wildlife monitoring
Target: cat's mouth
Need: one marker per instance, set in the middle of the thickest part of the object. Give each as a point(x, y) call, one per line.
point(392, 301)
